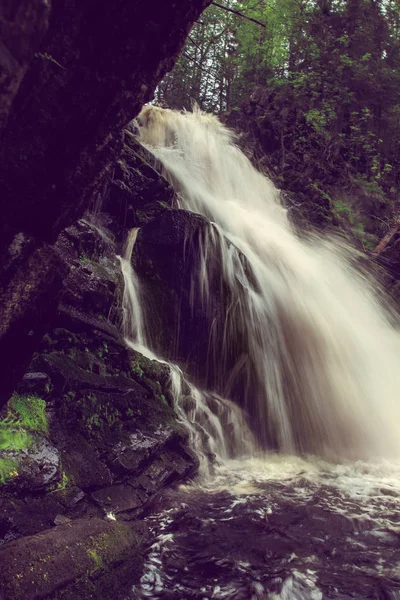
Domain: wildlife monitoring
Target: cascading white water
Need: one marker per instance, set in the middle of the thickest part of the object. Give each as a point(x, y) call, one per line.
point(216, 426)
point(319, 363)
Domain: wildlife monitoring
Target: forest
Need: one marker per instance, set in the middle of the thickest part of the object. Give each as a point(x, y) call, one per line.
point(329, 71)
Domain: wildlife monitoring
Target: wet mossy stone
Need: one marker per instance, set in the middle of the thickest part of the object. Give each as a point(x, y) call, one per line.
point(39, 566)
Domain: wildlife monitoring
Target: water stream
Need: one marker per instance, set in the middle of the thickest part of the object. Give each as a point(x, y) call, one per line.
point(299, 431)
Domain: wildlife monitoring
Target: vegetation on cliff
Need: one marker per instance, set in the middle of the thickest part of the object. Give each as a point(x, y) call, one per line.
point(325, 114)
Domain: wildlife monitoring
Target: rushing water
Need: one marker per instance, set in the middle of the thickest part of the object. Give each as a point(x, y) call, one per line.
point(314, 359)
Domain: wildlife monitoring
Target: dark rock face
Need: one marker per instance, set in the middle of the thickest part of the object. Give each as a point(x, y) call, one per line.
point(96, 66)
point(166, 259)
point(38, 466)
point(113, 438)
point(113, 441)
point(23, 24)
point(33, 276)
point(135, 170)
point(186, 324)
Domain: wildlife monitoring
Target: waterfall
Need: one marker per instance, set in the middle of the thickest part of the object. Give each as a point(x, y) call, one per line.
point(305, 348)
point(216, 426)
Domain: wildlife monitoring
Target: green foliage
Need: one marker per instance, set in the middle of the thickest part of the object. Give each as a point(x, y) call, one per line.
point(8, 469)
point(96, 417)
point(25, 413)
point(31, 412)
point(12, 437)
point(368, 187)
point(102, 351)
point(136, 368)
point(64, 482)
point(343, 210)
point(331, 74)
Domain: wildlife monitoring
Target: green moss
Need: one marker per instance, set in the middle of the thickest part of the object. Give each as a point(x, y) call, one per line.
point(97, 417)
point(163, 204)
point(25, 413)
point(96, 560)
point(31, 412)
point(64, 481)
point(135, 367)
point(8, 469)
point(12, 437)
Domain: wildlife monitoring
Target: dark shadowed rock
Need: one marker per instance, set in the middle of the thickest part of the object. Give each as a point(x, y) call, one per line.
point(165, 256)
point(27, 292)
point(137, 193)
point(23, 24)
point(34, 382)
point(186, 325)
point(96, 67)
point(84, 86)
point(118, 498)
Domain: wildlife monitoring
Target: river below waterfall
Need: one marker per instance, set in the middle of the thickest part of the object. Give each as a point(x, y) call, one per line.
point(278, 528)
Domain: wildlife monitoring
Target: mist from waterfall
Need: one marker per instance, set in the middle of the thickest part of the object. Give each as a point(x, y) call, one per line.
point(305, 347)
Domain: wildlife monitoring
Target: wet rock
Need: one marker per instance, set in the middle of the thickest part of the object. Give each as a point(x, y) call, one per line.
point(84, 468)
point(128, 457)
point(61, 520)
point(31, 514)
point(40, 565)
point(110, 409)
point(37, 466)
point(34, 382)
point(138, 193)
point(94, 270)
point(168, 468)
point(118, 498)
point(165, 256)
point(64, 371)
point(187, 322)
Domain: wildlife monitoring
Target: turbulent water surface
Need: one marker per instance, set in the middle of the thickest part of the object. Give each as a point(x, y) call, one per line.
point(278, 528)
point(298, 432)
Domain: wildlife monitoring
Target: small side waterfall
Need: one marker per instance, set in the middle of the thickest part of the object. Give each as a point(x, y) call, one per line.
point(305, 346)
point(216, 426)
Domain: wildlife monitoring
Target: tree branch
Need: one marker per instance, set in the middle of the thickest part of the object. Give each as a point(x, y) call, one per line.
point(236, 12)
point(208, 71)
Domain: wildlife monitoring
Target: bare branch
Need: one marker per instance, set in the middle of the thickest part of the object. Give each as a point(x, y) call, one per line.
point(209, 71)
point(236, 12)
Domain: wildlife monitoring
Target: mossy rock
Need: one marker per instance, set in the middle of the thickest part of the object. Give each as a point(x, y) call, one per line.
point(71, 554)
